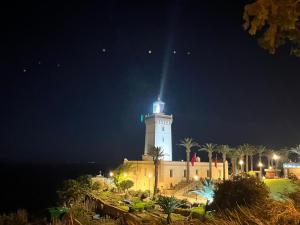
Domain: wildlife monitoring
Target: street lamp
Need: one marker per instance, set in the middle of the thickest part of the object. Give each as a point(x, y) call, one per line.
point(196, 178)
point(125, 175)
point(111, 174)
point(260, 165)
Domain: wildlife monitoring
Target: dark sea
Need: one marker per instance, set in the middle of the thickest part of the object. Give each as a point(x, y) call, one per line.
point(33, 186)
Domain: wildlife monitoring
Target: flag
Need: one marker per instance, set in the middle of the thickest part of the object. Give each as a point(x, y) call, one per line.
point(193, 159)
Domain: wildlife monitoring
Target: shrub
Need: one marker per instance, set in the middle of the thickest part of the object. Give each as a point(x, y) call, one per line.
point(126, 184)
point(240, 191)
point(293, 177)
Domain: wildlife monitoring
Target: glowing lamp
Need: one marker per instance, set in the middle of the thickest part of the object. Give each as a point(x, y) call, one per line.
point(260, 164)
point(111, 174)
point(241, 162)
point(149, 175)
point(158, 106)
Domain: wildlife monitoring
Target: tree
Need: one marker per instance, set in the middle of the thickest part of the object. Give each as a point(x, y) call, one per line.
point(209, 148)
point(120, 174)
point(277, 21)
point(241, 153)
point(251, 152)
point(206, 190)
point(156, 153)
point(188, 143)
point(126, 184)
point(224, 150)
point(240, 191)
point(75, 190)
point(247, 150)
point(269, 154)
point(296, 150)
point(168, 204)
point(233, 155)
point(260, 150)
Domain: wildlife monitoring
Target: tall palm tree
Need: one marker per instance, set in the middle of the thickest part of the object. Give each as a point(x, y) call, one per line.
point(209, 148)
point(269, 154)
point(241, 152)
point(233, 155)
point(251, 153)
point(188, 143)
point(224, 150)
point(260, 150)
point(156, 153)
point(296, 150)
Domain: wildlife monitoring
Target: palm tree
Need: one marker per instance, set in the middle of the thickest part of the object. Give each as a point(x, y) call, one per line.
point(224, 150)
point(233, 155)
point(260, 150)
point(188, 143)
point(296, 150)
point(156, 153)
point(209, 148)
point(247, 150)
point(241, 153)
point(251, 152)
point(269, 154)
point(168, 204)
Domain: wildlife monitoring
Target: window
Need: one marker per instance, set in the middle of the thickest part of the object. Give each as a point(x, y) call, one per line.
point(184, 173)
point(171, 173)
point(220, 173)
point(207, 173)
point(163, 128)
point(196, 172)
point(145, 172)
point(163, 139)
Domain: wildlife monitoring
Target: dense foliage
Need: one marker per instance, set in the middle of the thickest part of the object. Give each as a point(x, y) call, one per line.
point(277, 20)
point(240, 191)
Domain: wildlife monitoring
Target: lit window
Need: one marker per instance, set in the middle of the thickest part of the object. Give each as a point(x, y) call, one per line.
point(171, 173)
point(184, 173)
point(196, 172)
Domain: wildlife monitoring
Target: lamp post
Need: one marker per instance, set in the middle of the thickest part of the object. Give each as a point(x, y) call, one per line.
point(260, 165)
point(149, 176)
point(111, 174)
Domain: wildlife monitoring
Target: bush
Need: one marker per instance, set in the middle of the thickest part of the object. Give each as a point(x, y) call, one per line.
point(293, 177)
point(126, 184)
point(240, 191)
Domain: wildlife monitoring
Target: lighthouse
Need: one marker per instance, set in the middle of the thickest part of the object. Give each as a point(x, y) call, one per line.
point(158, 131)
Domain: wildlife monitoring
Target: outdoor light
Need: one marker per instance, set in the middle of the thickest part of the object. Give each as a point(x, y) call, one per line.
point(196, 177)
point(111, 174)
point(275, 157)
point(260, 164)
point(149, 175)
point(270, 167)
point(125, 174)
point(241, 162)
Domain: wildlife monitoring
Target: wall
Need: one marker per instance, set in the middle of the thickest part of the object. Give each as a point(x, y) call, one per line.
point(142, 173)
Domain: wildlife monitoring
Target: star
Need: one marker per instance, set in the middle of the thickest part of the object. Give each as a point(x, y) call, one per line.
point(58, 65)
point(24, 70)
point(39, 62)
point(103, 50)
point(188, 53)
point(149, 51)
point(174, 52)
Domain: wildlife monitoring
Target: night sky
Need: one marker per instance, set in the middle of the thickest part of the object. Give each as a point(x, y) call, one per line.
point(77, 75)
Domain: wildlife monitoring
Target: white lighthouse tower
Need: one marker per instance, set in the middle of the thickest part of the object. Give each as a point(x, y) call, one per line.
point(158, 131)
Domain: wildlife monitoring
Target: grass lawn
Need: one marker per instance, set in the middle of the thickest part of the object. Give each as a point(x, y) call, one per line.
point(279, 186)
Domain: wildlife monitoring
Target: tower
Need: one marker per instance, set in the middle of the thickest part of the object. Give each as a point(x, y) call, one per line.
point(158, 131)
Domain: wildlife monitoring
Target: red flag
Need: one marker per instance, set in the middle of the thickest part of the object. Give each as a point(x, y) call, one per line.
point(193, 159)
